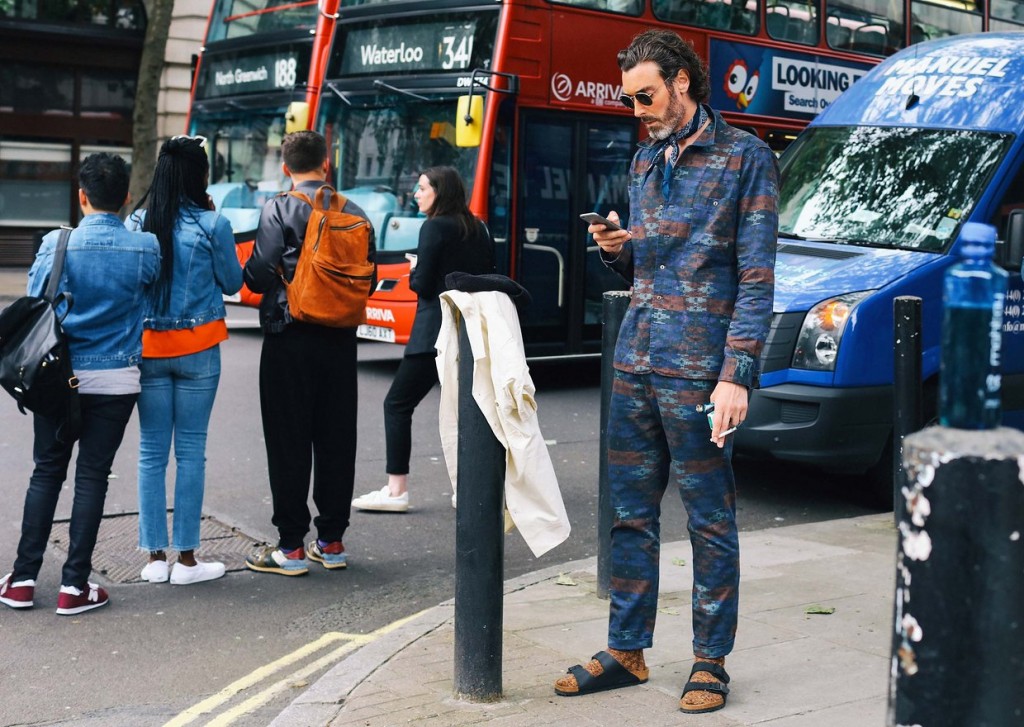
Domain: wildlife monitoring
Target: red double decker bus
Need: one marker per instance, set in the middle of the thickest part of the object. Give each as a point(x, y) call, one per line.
point(552, 139)
point(257, 77)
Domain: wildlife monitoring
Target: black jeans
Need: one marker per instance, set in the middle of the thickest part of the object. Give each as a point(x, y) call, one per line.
point(414, 379)
point(104, 418)
point(308, 400)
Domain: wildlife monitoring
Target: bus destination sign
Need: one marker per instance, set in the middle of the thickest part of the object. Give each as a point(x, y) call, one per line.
point(419, 47)
point(237, 73)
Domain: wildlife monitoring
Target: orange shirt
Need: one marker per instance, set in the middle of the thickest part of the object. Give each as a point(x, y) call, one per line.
point(183, 341)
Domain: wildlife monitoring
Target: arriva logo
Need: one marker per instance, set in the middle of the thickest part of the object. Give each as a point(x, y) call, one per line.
point(379, 314)
point(561, 86)
point(594, 92)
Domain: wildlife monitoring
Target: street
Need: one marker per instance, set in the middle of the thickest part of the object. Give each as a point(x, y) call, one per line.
point(158, 651)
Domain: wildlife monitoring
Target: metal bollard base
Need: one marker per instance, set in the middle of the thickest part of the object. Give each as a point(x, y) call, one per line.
point(958, 641)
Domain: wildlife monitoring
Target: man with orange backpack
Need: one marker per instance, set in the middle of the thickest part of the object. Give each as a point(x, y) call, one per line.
point(308, 240)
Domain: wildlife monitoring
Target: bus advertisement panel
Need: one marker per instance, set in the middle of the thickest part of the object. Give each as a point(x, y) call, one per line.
point(755, 79)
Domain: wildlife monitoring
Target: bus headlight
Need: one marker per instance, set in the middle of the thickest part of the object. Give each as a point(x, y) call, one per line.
point(817, 344)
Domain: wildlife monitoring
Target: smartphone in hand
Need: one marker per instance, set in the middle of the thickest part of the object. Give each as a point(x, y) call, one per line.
point(592, 218)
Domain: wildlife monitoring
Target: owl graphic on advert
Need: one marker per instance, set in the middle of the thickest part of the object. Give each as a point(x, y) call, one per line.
point(741, 83)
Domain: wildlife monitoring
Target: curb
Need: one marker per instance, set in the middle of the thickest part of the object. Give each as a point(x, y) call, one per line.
point(325, 699)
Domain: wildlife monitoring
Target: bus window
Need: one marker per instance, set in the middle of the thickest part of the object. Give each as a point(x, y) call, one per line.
point(737, 16)
point(942, 18)
point(380, 151)
point(865, 26)
point(1006, 15)
point(793, 20)
point(626, 7)
point(238, 19)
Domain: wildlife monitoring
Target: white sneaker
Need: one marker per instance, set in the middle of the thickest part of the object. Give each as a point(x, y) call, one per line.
point(381, 501)
point(183, 575)
point(155, 571)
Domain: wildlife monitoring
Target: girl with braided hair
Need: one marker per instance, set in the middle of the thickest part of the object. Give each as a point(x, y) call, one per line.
point(183, 329)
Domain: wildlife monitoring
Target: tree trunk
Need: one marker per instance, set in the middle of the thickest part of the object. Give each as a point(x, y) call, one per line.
point(147, 93)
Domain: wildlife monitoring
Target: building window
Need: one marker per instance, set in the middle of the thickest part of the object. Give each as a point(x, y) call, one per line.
point(120, 14)
point(35, 183)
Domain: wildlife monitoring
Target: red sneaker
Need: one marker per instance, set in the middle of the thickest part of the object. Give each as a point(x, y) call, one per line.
point(17, 595)
point(73, 600)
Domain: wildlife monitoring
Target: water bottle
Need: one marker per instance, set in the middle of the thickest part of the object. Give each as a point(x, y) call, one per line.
point(972, 334)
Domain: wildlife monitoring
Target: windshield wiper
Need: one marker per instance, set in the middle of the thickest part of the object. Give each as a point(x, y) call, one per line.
point(790, 236)
point(380, 84)
point(338, 93)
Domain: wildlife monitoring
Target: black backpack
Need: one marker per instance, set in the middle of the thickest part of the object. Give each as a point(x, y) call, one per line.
point(35, 364)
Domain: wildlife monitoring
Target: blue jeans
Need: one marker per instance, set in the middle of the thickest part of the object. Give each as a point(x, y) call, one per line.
point(104, 418)
point(176, 401)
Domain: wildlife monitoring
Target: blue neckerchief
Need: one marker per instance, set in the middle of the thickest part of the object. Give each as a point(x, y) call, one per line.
point(699, 119)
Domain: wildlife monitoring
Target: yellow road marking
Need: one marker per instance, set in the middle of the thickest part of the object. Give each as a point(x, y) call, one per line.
point(258, 675)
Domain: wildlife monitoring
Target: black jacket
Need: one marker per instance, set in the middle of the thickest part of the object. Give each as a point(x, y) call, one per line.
point(443, 250)
point(276, 250)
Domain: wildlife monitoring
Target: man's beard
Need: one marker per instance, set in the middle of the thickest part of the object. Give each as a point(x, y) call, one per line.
point(670, 122)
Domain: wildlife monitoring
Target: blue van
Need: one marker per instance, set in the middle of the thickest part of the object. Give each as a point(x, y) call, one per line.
point(874, 194)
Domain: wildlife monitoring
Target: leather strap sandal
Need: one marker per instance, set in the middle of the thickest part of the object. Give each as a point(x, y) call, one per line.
point(613, 676)
point(719, 687)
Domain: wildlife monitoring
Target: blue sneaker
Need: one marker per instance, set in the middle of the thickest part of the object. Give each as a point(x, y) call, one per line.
point(274, 560)
point(330, 556)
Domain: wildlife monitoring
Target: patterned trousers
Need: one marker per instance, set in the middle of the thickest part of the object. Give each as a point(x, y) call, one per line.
point(656, 435)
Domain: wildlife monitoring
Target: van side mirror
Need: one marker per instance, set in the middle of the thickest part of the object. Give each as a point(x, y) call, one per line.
point(469, 121)
point(296, 118)
point(1013, 241)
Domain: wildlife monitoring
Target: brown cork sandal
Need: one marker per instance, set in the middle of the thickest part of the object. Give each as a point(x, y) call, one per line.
point(719, 687)
point(614, 676)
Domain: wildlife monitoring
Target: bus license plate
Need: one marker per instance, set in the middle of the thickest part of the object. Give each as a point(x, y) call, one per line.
point(376, 333)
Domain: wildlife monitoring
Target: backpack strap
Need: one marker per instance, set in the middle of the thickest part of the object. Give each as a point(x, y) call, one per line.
point(58, 269)
point(298, 195)
point(71, 425)
point(335, 201)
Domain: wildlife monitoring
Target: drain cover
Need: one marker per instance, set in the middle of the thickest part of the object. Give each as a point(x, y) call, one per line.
point(117, 556)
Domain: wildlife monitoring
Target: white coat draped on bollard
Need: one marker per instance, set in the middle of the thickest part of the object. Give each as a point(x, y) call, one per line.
point(504, 391)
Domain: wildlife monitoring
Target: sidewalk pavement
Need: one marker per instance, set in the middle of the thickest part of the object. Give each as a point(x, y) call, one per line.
point(790, 668)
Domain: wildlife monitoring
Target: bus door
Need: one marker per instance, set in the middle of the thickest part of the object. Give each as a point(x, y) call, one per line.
point(568, 164)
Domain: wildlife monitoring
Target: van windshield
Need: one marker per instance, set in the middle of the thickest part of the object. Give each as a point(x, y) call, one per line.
point(888, 187)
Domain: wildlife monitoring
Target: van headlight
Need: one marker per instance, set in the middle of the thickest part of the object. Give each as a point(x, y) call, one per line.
point(817, 344)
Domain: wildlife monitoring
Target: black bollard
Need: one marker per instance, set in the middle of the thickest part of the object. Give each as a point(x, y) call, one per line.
point(479, 544)
point(906, 385)
point(613, 310)
point(958, 642)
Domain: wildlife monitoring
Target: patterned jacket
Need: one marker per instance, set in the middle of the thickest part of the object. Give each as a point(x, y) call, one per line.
point(702, 262)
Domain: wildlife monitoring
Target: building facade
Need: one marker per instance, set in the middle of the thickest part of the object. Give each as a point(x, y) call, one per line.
point(68, 72)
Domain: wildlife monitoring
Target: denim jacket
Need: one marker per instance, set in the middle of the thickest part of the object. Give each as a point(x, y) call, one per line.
point(108, 270)
point(206, 268)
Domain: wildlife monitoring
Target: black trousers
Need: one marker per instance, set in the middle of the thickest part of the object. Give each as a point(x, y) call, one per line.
point(308, 399)
point(104, 418)
point(414, 379)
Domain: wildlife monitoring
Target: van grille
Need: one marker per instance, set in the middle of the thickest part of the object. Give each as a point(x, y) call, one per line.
point(797, 412)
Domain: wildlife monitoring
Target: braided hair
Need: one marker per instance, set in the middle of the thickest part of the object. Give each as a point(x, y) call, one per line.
point(179, 181)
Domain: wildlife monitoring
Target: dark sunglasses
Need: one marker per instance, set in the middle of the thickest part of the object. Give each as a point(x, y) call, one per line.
point(643, 98)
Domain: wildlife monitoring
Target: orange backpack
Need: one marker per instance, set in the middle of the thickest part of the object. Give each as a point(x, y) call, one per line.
point(333, 274)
